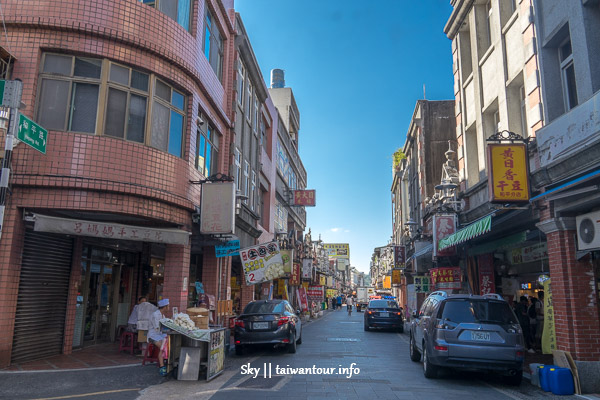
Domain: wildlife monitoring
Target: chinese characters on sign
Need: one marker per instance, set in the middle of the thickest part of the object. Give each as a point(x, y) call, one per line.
point(229, 248)
point(396, 276)
point(548, 334)
point(305, 198)
point(337, 250)
point(400, 256)
point(486, 274)
point(295, 278)
point(445, 278)
point(530, 253)
point(422, 284)
point(315, 291)
point(306, 268)
point(262, 263)
point(508, 178)
point(444, 225)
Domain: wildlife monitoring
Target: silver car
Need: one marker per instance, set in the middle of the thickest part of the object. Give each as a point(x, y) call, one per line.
point(467, 332)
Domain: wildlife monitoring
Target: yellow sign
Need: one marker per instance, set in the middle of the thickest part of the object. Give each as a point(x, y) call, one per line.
point(305, 285)
point(331, 292)
point(396, 276)
point(322, 280)
point(387, 282)
point(548, 334)
point(508, 179)
point(337, 250)
point(280, 287)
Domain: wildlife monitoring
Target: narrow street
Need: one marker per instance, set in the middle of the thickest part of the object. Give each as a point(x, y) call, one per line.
point(337, 341)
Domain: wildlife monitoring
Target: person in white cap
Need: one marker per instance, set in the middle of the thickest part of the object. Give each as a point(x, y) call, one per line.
point(155, 335)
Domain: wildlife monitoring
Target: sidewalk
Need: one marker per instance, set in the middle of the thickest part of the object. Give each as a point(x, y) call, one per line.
point(101, 355)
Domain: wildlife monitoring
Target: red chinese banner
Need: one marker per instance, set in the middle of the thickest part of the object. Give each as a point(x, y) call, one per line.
point(445, 278)
point(508, 176)
point(305, 198)
point(444, 225)
point(486, 274)
point(315, 291)
point(296, 277)
point(303, 298)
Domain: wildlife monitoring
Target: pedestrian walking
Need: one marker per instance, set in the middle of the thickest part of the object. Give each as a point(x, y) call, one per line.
point(521, 311)
point(349, 303)
point(539, 308)
point(533, 322)
point(339, 301)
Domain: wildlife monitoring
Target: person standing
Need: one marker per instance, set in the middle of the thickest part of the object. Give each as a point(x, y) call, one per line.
point(533, 322)
point(349, 303)
point(521, 311)
point(156, 337)
point(339, 301)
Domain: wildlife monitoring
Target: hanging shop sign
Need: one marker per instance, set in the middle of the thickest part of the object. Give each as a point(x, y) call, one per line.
point(76, 227)
point(548, 334)
point(229, 248)
point(400, 256)
point(396, 276)
point(331, 292)
point(315, 291)
point(322, 280)
point(307, 268)
point(288, 258)
point(387, 282)
point(527, 254)
point(341, 264)
point(217, 209)
point(337, 250)
point(305, 198)
point(422, 284)
point(444, 225)
point(330, 281)
point(262, 263)
point(445, 278)
point(508, 175)
point(486, 274)
point(301, 292)
point(296, 276)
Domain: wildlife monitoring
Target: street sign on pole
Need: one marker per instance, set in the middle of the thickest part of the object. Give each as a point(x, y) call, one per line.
point(10, 93)
point(32, 134)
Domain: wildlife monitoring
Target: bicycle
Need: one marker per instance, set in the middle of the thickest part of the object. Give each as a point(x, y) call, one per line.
point(349, 309)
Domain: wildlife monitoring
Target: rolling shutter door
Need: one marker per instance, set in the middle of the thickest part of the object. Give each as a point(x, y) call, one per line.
point(43, 294)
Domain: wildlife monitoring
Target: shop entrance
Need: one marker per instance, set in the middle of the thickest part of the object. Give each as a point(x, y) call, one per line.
point(104, 296)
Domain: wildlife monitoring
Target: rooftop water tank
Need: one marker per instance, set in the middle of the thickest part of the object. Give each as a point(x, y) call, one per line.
point(277, 78)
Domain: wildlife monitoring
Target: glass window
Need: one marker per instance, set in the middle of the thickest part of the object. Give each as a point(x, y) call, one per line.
point(57, 64)
point(471, 311)
point(119, 74)
point(207, 150)
point(116, 108)
point(88, 67)
point(84, 107)
point(568, 75)
point(139, 80)
point(253, 191)
point(160, 126)
point(240, 82)
point(213, 44)
point(53, 104)
point(163, 91)
point(262, 307)
point(383, 304)
point(178, 100)
point(179, 10)
point(246, 179)
point(238, 169)
point(175, 134)
point(136, 124)
point(167, 122)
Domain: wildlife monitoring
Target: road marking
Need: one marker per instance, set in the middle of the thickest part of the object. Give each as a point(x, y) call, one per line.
point(73, 396)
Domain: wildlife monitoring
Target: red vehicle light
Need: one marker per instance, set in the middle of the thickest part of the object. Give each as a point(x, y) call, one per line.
point(369, 312)
point(441, 348)
point(286, 340)
point(520, 354)
point(283, 321)
point(399, 314)
point(237, 342)
point(239, 322)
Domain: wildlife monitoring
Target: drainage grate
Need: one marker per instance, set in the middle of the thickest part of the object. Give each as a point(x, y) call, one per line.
point(260, 383)
point(342, 339)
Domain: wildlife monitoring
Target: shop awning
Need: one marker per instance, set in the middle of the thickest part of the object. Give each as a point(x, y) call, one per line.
point(567, 185)
point(104, 230)
point(467, 233)
point(423, 251)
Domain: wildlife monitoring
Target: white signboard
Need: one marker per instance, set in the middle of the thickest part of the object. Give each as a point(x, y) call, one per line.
point(262, 263)
point(217, 209)
point(306, 269)
point(44, 223)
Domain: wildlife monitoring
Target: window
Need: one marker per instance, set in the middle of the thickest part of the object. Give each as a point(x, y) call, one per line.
point(488, 22)
point(263, 135)
point(523, 109)
point(207, 151)
point(240, 82)
point(253, 191)
point(238, 169)
point(167, 119)
point(255, 116)
point(248, 108)
point(127, 103)
point(246, 180)
point(213, 44)
point(72, 88)
point(565, 53)
point(513, 6)
point(179, 10)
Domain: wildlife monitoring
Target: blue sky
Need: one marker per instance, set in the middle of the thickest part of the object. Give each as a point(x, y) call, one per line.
point(357, 69)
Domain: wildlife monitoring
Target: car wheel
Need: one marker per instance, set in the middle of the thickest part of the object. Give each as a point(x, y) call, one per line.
point(414, 353)
point(239, 350)
point(514, 380)
point(366, 326)
point(300, 338)
point(292, 345)
point(429, 370)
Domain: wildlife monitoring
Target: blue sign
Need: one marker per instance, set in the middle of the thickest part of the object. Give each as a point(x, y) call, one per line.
point(229, 248)
point(199, 287)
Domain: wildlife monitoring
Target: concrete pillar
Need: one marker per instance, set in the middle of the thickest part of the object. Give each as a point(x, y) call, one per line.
point(574, 293)
point(74, 283)
point(177, 271)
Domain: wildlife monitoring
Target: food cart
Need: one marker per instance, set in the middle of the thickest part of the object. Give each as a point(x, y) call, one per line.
point(195, 351)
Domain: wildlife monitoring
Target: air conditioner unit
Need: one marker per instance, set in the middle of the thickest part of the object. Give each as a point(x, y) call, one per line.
point(588, 231)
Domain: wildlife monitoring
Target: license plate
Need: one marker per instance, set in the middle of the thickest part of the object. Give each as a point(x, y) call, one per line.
point(260, 325)
point(480, 336)
point(384, 314)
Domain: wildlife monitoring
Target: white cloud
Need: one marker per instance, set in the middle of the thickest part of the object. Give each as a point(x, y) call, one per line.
point(334, 229)
point(347, 230)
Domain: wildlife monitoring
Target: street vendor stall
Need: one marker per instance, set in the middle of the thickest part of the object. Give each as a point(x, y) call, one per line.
point(194, 351)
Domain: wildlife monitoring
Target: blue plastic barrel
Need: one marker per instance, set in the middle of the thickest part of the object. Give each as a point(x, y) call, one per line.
point(561, 381)
point(544, 378)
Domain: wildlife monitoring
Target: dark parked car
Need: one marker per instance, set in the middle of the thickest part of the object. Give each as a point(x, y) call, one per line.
point(467, 332)
point(268, 321)
point(383, 314)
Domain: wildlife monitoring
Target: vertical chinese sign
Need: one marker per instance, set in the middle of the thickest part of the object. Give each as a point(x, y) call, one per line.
point(400, 256)
point(549, 333)
point(486, 274)
point(508, 176)
point(444, 225)
point(396, 276)
point(296, 276)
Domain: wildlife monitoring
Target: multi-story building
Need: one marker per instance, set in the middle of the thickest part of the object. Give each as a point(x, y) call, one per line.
point(136, 98)
point(568, 173)
point(498, 96)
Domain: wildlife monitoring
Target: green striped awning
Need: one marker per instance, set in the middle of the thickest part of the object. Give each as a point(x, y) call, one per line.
point(469, 232)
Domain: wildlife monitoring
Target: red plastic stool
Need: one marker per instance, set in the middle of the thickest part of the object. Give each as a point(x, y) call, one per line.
point(151, 354)
point(127, 342)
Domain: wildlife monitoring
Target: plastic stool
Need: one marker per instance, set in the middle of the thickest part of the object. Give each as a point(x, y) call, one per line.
point(149, 355)
point(127, 342)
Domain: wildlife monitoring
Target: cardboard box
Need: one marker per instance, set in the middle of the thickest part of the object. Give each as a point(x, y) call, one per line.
point(142, 336)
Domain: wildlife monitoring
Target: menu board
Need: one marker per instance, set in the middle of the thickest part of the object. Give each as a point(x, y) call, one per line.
point(216, 353)
point(262, 263)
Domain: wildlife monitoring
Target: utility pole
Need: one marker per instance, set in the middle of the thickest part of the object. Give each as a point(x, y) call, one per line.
point(10, 94)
